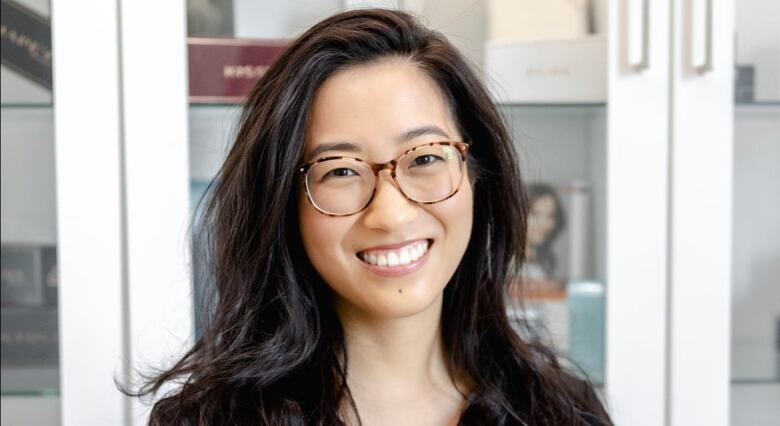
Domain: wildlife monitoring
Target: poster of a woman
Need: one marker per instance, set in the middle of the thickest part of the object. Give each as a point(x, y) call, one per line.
point(546, 221)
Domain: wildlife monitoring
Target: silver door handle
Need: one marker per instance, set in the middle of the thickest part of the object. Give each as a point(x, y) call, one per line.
point(701, 37)
point(639, 38)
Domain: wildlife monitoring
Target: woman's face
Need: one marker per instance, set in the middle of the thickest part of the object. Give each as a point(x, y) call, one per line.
point(369, 107)
point(541, 219)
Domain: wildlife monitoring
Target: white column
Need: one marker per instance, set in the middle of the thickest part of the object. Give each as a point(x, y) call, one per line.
point(154, 94)
point(637, 209)
point(90, 204)
point(702, 157)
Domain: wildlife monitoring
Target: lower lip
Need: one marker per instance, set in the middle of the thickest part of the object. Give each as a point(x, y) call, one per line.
point(400, 270)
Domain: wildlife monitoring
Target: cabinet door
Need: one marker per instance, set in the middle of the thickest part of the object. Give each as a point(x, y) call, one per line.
point(30, 372)
point(700, 212)
point(29, 253)
point(637, 210)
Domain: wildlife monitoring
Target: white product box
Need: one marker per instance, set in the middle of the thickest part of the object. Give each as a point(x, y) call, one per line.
point(525, 20)
point(549, 71)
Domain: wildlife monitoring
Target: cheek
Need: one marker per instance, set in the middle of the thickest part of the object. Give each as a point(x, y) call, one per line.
point(315, 236)
point(310, 222)
point(322, 238)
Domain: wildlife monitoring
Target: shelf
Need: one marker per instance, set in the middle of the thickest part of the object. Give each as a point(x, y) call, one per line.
point(553, 106)
point(753, 382)
point(26, 106)
point(44, 393)
point(579, 106)
point(761, 104)
point(594, 105)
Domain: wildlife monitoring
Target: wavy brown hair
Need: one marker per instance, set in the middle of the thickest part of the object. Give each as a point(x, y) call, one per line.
point(270, 351)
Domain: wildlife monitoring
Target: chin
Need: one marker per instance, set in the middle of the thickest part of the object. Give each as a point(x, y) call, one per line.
point(385, 302)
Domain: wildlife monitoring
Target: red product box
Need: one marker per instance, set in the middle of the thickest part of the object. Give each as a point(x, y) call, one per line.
point(224, 70)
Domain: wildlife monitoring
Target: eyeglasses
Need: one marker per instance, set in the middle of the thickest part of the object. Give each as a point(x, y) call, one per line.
point(426, 174)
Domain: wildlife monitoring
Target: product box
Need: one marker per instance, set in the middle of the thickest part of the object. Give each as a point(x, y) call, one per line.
point(538, 20)
point(21, 276)
point(550, 71)
point(26, 54)
point(587, 327)
point(224, 70)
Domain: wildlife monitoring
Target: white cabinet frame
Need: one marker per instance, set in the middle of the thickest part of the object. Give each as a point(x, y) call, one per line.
point(701, 133)
point(637, 210)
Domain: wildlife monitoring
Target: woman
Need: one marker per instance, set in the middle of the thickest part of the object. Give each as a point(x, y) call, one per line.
point(361, 232)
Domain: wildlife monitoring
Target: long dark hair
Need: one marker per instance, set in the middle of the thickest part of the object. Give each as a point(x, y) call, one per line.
point(272, 350)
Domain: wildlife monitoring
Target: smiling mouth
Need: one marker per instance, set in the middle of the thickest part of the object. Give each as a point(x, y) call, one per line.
point(400, 256)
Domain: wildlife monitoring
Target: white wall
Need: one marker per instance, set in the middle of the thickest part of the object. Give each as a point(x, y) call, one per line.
point(758, 44)
point(279, 19)
point(464, 22)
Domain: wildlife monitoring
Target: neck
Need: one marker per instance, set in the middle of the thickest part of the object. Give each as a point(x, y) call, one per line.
point(401, 357)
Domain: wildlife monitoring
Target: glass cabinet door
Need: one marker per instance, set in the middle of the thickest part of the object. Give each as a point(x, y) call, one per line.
point(562, 149)
point(755, 321)
point(30, 337)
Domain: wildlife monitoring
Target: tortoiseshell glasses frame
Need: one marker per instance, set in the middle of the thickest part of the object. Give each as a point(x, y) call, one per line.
point(376, 168)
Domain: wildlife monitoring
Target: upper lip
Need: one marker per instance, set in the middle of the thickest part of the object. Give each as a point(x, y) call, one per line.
point(394, 246)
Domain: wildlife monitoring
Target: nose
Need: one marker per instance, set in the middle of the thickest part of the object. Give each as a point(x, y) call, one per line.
point(389, 210)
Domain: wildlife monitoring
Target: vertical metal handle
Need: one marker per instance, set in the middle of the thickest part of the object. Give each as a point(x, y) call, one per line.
point(639, 35)
point(701, 37)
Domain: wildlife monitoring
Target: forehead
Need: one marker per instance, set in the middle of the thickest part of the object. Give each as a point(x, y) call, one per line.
point(372, 104)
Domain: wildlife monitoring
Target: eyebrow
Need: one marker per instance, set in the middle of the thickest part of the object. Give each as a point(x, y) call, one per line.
point(351, 147)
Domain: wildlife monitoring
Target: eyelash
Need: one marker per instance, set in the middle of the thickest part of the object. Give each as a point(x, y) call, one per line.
point(332, 172)
point(434, 157)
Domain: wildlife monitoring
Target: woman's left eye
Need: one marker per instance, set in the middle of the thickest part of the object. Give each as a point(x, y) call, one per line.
point(425, 160)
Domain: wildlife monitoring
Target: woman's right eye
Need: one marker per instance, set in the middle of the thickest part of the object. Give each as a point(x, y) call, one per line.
point(340, 172)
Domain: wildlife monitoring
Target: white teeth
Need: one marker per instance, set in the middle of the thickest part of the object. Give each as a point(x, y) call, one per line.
point(392, 259)
point(414, 253)
point(403, 256)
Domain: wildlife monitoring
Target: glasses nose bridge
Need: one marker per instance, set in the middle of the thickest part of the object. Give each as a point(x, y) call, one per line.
point(389, 166)
point(378, 168)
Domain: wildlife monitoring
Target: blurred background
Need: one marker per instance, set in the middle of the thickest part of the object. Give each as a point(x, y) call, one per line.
point(649, 134)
